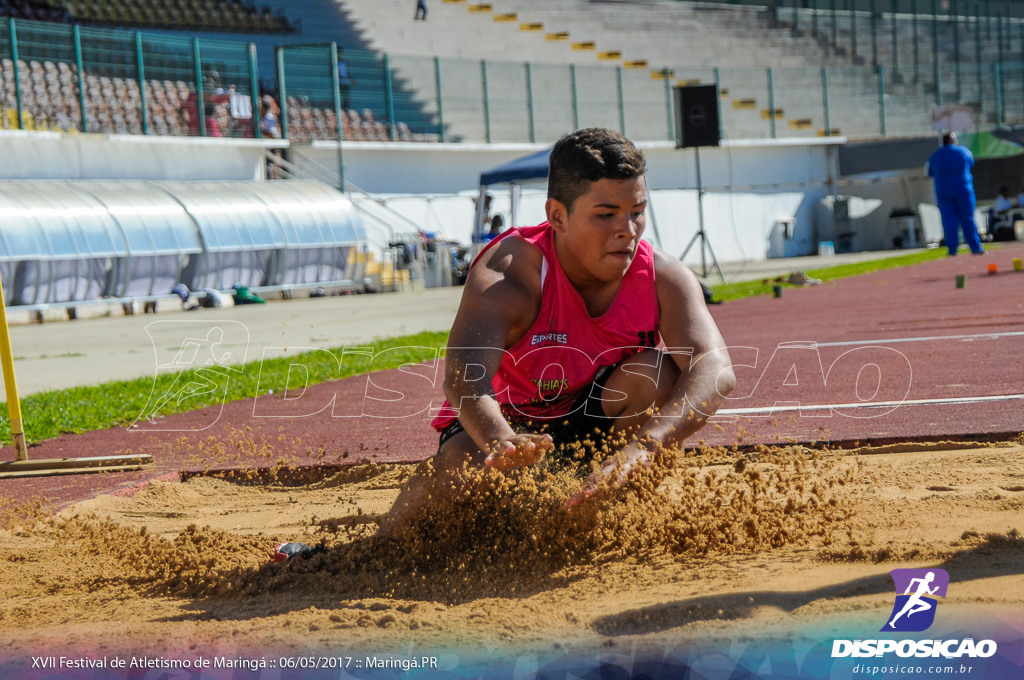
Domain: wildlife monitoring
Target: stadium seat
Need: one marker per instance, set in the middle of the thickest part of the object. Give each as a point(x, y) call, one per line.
point(158, 125)
point(332, 125)
point(320, 129)
point(369, 131)
point(355, 123)
point(190, 15)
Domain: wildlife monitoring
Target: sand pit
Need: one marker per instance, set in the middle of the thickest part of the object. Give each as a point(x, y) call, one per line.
point(780, 543)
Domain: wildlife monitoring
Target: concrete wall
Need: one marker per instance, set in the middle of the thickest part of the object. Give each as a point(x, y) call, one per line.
point(761, 198)
point(750, 189)
point(55, 155)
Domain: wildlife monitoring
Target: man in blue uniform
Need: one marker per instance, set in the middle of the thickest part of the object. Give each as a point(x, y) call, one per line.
point(950, 167)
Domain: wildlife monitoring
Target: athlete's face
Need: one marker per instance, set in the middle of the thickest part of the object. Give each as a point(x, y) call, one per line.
point(597, 240)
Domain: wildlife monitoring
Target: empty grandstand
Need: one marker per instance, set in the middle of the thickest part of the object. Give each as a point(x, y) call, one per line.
point(782, 71)
point(181, 15)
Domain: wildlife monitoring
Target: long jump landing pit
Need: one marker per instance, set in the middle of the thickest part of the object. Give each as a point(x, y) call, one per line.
point(716, 563)
point(716, 559)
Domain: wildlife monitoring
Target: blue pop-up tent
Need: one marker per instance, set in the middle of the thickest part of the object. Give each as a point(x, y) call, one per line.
point(534, 166)
point(514, 173)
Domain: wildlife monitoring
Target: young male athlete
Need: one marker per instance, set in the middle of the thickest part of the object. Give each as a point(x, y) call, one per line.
point(573, 325)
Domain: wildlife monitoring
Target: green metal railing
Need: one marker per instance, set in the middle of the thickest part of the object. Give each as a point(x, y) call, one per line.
point(73, 78)
point(59, 77)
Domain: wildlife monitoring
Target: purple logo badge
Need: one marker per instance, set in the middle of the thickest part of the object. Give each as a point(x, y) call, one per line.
point(917, 591)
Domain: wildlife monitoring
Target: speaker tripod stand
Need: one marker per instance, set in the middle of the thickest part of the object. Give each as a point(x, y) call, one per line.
point(701, 235)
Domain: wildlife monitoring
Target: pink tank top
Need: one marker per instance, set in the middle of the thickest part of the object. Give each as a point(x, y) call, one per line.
point(555, 362)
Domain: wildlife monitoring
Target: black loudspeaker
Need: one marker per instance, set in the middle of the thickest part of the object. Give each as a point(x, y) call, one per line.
point(697, 116)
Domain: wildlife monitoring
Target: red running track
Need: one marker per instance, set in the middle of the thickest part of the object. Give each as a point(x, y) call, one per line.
point(895, 355)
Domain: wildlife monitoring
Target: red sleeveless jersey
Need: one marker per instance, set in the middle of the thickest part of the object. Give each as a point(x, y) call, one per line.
point(555, 362)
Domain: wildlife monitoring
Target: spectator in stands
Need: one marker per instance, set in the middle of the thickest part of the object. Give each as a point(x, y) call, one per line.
point(497, 223)
point(1002, 216)
point(190, 113)
point(270, 118)
point(1020, 198)
point(345, 81)
point(211, 82)
point(486, 220)
point(1003, 203)
point(421, 10)
point(213, 128)
point(213, 94)
point(270, 128)
point(950, 167)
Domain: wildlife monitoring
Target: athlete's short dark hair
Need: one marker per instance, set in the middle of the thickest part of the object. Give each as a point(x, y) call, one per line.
point(583, 157)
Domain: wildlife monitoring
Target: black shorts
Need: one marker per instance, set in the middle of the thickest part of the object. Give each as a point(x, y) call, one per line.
point(577, 435)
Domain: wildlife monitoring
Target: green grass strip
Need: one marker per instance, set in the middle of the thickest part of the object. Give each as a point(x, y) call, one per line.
point(120, 403)
point(745, 289)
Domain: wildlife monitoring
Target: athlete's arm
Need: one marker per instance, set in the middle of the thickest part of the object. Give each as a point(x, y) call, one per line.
point(499, 304)
point(705, 375)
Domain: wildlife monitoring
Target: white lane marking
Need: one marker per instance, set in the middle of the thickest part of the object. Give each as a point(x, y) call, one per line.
point(868, 404)
point(927, 338)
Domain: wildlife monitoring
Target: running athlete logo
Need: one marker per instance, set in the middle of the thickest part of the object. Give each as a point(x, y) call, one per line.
point(914, 610)
point(207, 355)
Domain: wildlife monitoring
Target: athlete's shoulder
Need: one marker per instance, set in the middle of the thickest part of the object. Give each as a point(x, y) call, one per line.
point(516, 246)
point(512, 260)
point(667, 265)
point(503, 288)
point(676, 284)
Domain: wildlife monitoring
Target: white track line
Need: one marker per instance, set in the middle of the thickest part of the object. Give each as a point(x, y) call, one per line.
point(867, 404)
point(927, 338)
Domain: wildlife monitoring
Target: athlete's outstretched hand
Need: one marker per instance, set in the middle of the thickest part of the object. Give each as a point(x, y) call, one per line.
point(518, 451)
point(613, 473)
